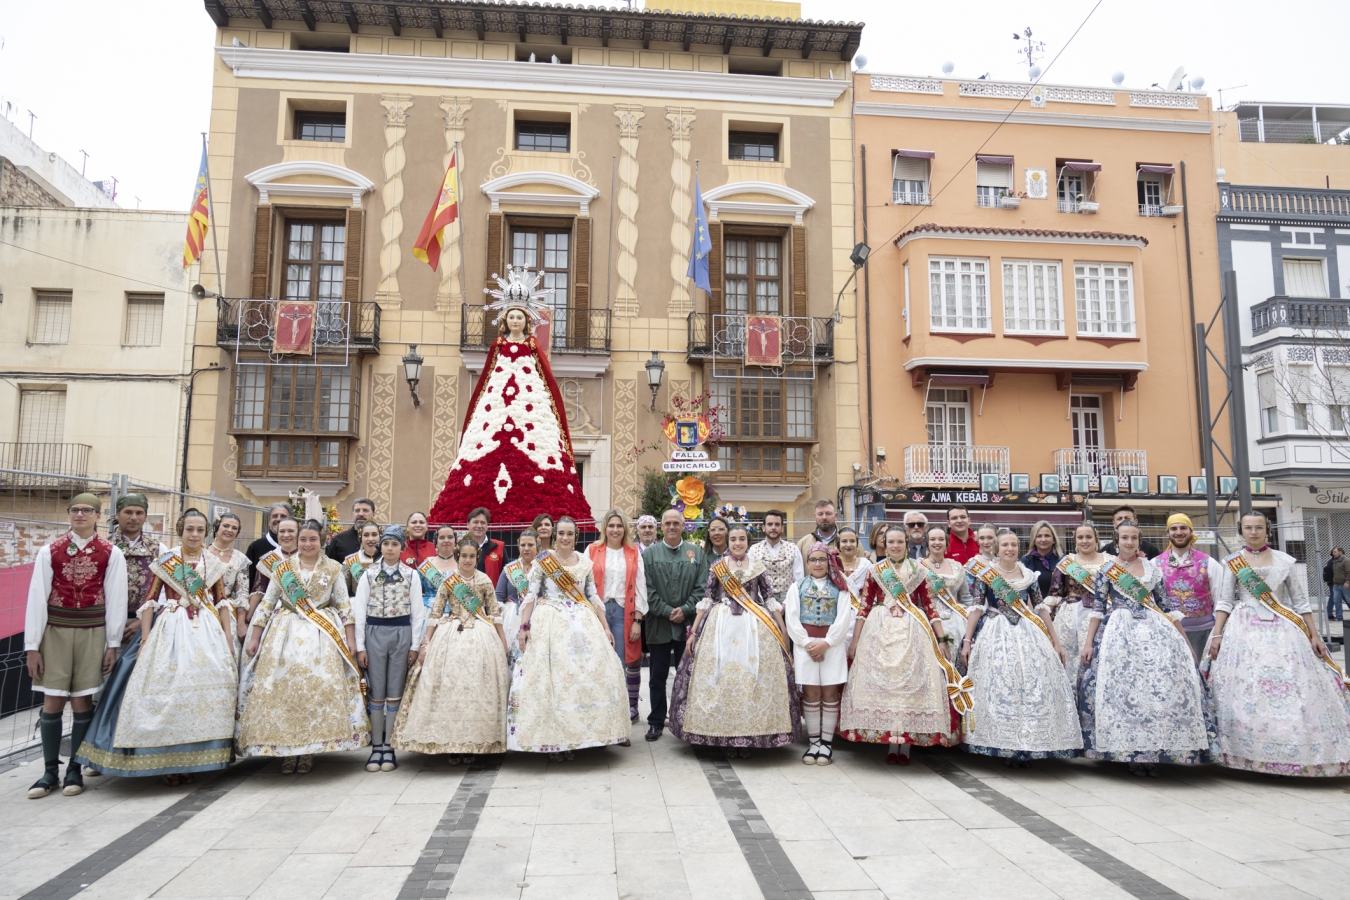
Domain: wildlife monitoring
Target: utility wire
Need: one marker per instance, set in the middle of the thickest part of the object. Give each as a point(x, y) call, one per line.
point(70, 262)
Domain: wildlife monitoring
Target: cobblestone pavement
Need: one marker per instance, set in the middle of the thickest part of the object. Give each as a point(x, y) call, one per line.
point(661, 821)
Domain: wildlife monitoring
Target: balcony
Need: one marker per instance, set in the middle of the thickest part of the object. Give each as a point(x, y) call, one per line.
point(339, 326)
point(576, 329)
point(1096, 463)
point(1283, 202)
point(1084, 207)
point(910, 198)
point(806, 339)
point(955, 465)
point(43, 465)
point(1306, 315)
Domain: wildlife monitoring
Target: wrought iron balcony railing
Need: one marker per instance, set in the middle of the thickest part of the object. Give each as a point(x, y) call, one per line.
point(26, 464)
point(575, 329)
point(955, 464)
point(1300, 314)
point(1096, 463)
point(251, 325)
point(805, 338)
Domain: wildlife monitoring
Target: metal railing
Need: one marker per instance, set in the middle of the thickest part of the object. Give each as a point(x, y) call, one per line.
point(1096, 463)
point(955, 464)
point(1302, 314)
point(911, 198)
point(1275, 201)
point(804, 338)
point(990, 198)
point(575, 329)
point(42, 464)
point(250, 324)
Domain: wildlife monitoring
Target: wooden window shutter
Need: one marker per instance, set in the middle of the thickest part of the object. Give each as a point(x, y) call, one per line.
point(581, 281)
point(800, 304)
point(351, 274)
point(260, 285)
point(716, 276)
point(496, 225)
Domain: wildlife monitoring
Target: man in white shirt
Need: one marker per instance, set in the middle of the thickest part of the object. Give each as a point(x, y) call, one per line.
point(782, 559)
point(77, 608)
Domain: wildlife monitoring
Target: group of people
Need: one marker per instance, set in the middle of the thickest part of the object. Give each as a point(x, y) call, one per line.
point(404, 638)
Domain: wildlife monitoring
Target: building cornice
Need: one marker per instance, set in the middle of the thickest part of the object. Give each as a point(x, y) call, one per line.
point(795, 203)
point(525, 78)
point(265, 180)
point(1077, 365)
point(1019, 117)
point(1022, 236)
point(580, 197)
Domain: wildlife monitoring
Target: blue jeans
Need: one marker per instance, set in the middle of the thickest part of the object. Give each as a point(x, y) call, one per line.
point(614, 619)
point(1336, 602)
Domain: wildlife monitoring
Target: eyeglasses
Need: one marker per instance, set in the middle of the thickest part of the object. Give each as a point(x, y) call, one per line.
point(913, 525)
point(82, 511)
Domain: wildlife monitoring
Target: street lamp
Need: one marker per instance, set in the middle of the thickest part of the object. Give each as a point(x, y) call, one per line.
point(859, 259)
point(656, 370)
point(412, 371)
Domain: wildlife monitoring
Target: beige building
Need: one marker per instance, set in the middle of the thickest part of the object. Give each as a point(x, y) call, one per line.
point(580, 132)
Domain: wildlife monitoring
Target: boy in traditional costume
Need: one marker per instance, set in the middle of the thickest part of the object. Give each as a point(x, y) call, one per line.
point(77, 608)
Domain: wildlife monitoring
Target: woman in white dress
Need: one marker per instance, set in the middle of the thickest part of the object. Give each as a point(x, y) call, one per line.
point(1024, 705)
point(434, 569)
point(948, 590)
point(987, 537)
point(236, 577)
point(567, 691)
point(819, 612)
point(300, 693)
point(1280, 703)
point(365, 556)
point(512, 586)
point(455, 701)
point(852, 562)
point(1072, 588)
point(1140, 698)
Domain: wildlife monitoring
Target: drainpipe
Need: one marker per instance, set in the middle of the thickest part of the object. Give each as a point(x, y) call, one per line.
point(1200, 405)
point(187, 421)
point(867, 310)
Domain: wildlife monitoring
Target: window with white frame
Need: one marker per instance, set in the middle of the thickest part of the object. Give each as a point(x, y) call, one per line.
point(958, 293)
point(1304, 278)
point(909, 180)
point(1338, 399)
point(42, 416)
point(1105, 299)
point(993, 182)
point(145, 320)
point(1300, 397)
point(1266, 398)
point(1031, 298)
point(51, 318)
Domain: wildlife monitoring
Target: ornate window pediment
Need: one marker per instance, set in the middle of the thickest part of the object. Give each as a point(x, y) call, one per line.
point(541, 189)
point(308, 178)
point(760, 198)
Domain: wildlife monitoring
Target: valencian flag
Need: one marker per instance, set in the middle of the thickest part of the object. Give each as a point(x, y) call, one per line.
point(432, 239)
point(199, 217)
point(698, 254)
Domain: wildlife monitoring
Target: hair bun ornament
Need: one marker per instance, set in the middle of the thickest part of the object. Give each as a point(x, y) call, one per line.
point(519, 290)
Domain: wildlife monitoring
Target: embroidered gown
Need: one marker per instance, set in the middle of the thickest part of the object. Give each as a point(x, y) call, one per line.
point(567, 689)
point(1278, 708)
point(1024, 706)
point(455, 702)
point(299, 695)
point(736, 689)
point(1140, 699)
point(953, 620)
point(512, 586)
point(1071, 605)
point(897, 690)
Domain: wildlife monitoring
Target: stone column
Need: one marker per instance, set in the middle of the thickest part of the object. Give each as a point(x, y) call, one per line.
point(391, 225)
point(452, 291)
point(681, 119)
point(630, 117)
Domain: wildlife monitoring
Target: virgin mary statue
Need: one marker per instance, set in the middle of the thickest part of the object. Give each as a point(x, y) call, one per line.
point(515, 453)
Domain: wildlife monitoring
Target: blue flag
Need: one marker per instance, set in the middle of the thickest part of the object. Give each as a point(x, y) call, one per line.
point(698, 254)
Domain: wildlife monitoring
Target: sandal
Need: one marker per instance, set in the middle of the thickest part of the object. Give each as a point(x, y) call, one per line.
point(288, 766)
point(388, 762)
point(305, 766)
point(809, 757)
point(373, 761)
point(46, 784)
point(824, 756)
point(171, 780)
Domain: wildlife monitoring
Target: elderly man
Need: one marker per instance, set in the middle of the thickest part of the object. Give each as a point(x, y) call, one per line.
point(827, 532)
point(646, 531)
point(916, 529)
point(677, 576)
point(348, 542)
point(1192, 579)
point(268, 542)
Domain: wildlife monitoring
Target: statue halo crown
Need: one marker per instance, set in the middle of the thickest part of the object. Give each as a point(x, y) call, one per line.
point(519, 290)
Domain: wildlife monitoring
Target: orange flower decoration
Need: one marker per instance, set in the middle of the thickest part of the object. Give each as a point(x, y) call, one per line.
point(691, 491)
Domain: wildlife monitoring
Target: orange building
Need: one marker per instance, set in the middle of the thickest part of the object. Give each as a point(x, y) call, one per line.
point(1029, 306)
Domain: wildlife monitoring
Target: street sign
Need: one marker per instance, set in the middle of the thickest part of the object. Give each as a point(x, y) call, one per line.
point(692, 466)
point(687, 455)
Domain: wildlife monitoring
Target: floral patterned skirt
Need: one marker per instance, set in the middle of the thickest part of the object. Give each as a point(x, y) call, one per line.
point(896, 691)
point(456, 701)
point(1071, 626)
point(1278, 708)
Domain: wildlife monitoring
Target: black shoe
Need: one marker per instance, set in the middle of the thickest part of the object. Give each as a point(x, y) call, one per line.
point(46, 784)
point(74, 782)
point(654, 732)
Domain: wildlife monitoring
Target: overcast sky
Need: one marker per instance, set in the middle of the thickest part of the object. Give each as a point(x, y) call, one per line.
point(130, 82)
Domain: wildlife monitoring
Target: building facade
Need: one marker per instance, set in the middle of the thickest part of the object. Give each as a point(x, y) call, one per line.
point(1031, 303)
point(579, 135)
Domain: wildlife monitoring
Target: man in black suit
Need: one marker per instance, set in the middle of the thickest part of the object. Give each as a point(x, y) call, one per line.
point(1121, 514)
point(348, 542)
point(268, 542)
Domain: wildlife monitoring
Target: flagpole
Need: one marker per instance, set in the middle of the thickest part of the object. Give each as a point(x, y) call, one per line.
point(459, 203)
point(211, 211)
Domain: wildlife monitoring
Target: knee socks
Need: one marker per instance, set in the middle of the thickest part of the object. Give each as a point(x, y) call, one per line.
point(78, 729)
point(829, 720)
point(633, 676)
point(376, 711)
point(49, 726)
point(390, 714)
point(811, 712)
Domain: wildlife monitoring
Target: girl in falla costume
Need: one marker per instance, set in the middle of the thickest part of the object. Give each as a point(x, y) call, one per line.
point(734, 687)
point(236, 577)
point(948, 589)
point(365, 557)
point(457, 690)
point(1072, 588)
point(434, 568)
point(819, 612)
point(512, 586)
point(301, 692)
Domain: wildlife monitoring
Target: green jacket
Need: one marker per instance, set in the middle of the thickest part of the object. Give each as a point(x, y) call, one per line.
point(675, 579)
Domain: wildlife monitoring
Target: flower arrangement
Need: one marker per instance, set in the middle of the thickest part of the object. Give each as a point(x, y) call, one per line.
point(305, 505)
point(696, 500)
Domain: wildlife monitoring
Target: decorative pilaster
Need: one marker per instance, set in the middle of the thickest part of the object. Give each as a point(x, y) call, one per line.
point(391, 225)
point(380, 443)
point(455, 110)
point(625, 439)
point(681, 119)
point(444, 430)
point(630, 118)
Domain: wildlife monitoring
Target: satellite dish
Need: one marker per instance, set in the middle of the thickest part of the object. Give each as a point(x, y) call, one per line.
point(948, 67)
point(1175, 81)
point(1034, 72)
point(860, 62)
point(1197, 82)
point(1117, 78)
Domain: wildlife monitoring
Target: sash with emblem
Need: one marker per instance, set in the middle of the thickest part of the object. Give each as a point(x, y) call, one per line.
point(563, 580)
point(356, 567)
point(990, 577)
point(465, 595)
point(960, 689)
point(1075, 570)
point(268, 564)
point(515, 573)
point(184, 579)
point(295, 596)
point(1257, 587)
point(1132, 587)
point(432, 574)
point(736, 591)
point(938, 590)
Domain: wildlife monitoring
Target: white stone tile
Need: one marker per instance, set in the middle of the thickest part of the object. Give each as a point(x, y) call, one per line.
point(527, 796)
point(576, 803)
point(507, 821)
point(271, 830)
point(339, 834)
point(222, 873)
point(1319, 877)
point(431, 786)
point(493, 864)
point(701, 829)
point(651, 878)
point(1058, 871)
point(720, 875)
point(369, 805)
point(570, 887)
point(571, 850)
point(135, 879)
point(1216, 868)
point(303, 876)
point(362, 883)
point(826, 866)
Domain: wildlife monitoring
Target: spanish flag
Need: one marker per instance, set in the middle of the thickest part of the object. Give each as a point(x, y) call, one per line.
point(432, 239)
point(199, 217)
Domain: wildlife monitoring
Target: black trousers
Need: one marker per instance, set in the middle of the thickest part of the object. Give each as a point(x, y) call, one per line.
point(664, 657)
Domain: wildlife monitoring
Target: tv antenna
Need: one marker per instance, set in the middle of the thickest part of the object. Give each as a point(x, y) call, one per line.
point(1232, 88)
point(1032, 50)
point(84, 163)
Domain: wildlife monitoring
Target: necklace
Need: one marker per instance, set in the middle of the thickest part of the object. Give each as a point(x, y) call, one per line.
point(1257, 550)
point(312, 566)
point(446, 558)
point(1002, 568)
point(219, 550)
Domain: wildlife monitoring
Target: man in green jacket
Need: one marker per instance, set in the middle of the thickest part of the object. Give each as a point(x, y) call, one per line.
point(677, 576)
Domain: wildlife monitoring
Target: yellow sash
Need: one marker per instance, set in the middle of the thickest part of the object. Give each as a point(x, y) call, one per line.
point(1007, 593)
point(960, 689)
point(1258, 587)
point(327, 627)
point(1133, 588)
point(736, 591)
point(937, 586)
point(460, 589)
point(566, 583)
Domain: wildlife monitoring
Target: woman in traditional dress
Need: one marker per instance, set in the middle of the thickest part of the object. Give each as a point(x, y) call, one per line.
point(819, 612)
point(1024, 704)
point(512, 586)
point(621, 582)
point(897, 688)
point(366, 555)
point(734, 687)
point(543, 529)
point(456, 695)
point(1280, 703)
point(716, 544)
point(854, 564)
point(418, 546)
point(948, 591)
point(1140, 699)
point(236, 577)
point(300, 693)
point(434, 569)
point(987, 537)
point(288, 533)
point(1072, 588)
point(176, 712)
point(567, 691)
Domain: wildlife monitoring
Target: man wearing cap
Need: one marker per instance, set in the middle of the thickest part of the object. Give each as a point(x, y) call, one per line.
point(1191, 578)
point(77, 608)
point(646, 531)
point(140, 550)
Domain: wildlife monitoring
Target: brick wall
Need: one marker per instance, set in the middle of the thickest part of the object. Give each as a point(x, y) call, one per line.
point(17, 189)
